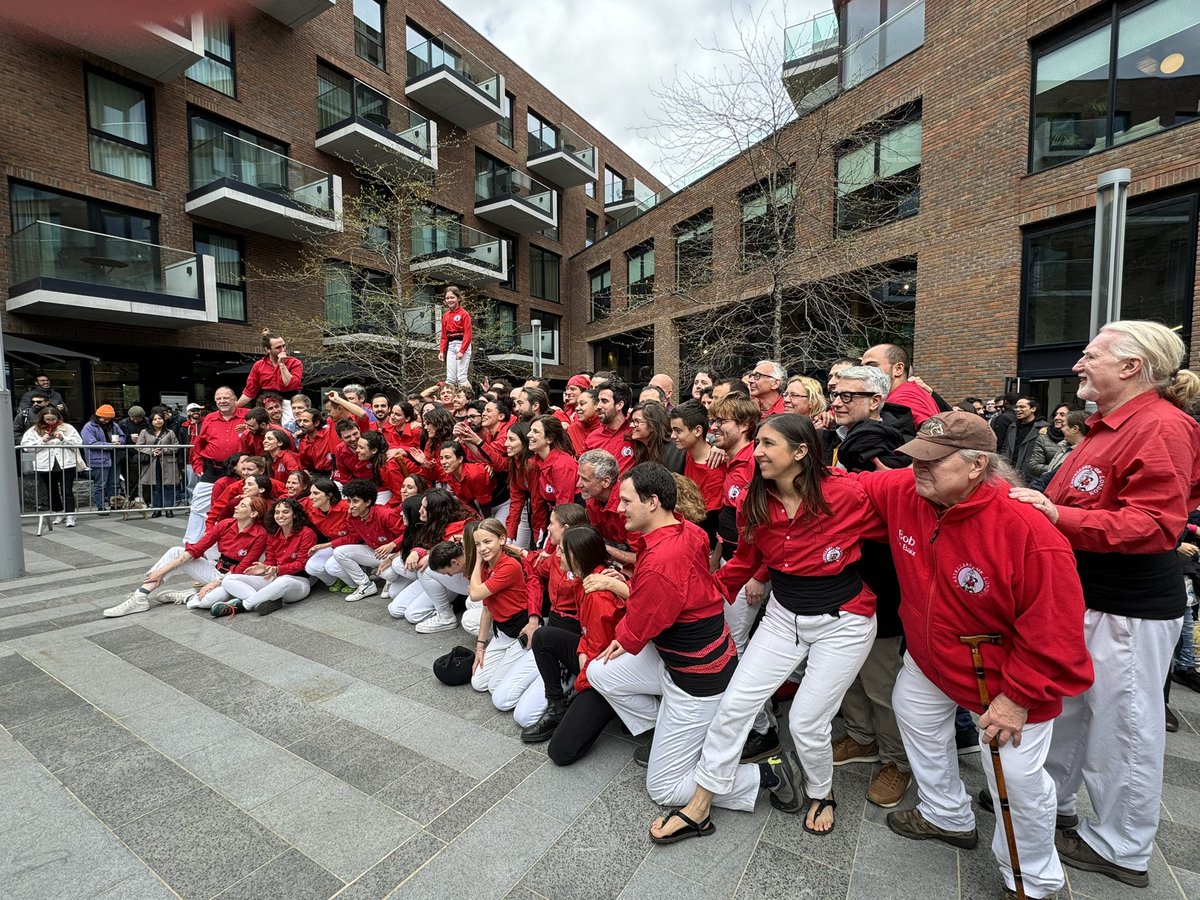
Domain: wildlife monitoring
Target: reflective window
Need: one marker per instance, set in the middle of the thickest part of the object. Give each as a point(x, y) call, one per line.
point(216, 69)
point(226, 250)
point(543, 137)
point(768, 219)
point(600, 292)
point(640, 262)
point(504, 128)
point(368, 31)
point(879, 180)
point(119, 129)
point(543, 273)
point(694, 251)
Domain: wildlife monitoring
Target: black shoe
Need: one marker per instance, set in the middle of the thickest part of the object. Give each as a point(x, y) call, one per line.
point(760, 747)
point(170, 514)
point(543, 729)
point(1189, 678)
point(269, 606)
point(966, 741)
point(1062, 821)
point(641, 755)
point(157, 514)
point(1172, 722)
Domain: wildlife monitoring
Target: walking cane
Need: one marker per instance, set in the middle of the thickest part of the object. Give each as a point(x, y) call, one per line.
point(973, 641)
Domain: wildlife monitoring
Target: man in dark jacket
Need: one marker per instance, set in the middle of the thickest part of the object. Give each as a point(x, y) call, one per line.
point(1023, 436)
point(1004, 419)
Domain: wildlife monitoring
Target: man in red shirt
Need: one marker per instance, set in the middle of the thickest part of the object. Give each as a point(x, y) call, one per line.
point(316, 442)
point(455, 347)
point(575, 385)
point(612, 404)
point(672, 656)
point(374, 535)
point(895, 363)
point(276, 371)
point(766, 387)
point(597, 484)
point(689, 431)
point(218, 438)
point(1122, 499)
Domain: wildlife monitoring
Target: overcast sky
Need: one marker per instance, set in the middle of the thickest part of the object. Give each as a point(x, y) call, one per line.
point(605, 57)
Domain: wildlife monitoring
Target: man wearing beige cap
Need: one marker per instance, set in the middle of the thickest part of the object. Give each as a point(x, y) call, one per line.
point(973, 562)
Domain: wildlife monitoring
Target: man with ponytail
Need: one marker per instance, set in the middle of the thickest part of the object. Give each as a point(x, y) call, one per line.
point(276, 371)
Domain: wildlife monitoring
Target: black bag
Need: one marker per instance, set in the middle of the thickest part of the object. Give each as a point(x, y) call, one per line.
point(455, 667)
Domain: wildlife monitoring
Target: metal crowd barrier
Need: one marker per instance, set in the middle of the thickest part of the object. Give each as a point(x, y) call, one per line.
point(126, 480)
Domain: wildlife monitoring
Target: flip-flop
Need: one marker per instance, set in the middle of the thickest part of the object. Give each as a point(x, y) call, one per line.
point(693, 829)
point(822, 805)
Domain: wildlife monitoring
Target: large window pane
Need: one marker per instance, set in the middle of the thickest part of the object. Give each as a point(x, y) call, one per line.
point(1158, 68)
point(1070, 116)
point(216, 69)
point(1058, 287)
point(119, 129)
point(226, 250)
point(368, 31)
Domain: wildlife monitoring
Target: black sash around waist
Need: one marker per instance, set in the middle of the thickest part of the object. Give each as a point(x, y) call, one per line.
point(226, 563)
point(815, 595)
point(1139, 585)
point(699, 655)
point(512, 627)
point(727, 526)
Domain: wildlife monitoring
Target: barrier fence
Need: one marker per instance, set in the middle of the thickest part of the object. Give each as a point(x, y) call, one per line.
point(62, 483)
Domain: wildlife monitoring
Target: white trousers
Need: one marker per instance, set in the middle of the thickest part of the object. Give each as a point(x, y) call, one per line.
point(431, 594)
point(501, 657)
point(201, 502)
point(253, 590)
point(456, 369)
point(1112, 737)
point(351, 558)
point(835, 647)
point(402, 589)
point(632, 684)
point(203, 569)
point(523, 533)
point(926, 719)
point(532, 703)
point(323, 566)
point(740, 616)
point(471, 616)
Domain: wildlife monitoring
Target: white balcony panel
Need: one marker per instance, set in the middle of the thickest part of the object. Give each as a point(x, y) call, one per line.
point(255, 210)
point(452, 96)
point(563, 169)
point(294, 13)
point(375, 148)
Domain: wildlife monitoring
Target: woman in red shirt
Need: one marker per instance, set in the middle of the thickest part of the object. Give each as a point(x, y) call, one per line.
point(277, 449)
point(469, 482)
point(386, 474)
point(297, 486)
point(515, 513)
point(232, 546)
point(557, 471)
point(439, 428)
point(497, 578)
point(428, 602)
point(266, 586)
point(327, 512)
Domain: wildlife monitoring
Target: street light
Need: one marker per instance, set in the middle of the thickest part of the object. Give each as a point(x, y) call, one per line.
point(1108, 256)
point(12, 553)
point(537, 347)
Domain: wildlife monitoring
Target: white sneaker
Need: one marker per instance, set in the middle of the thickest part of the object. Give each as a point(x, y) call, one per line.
point(437, 623)
point(58, 520)
point(70, 521)
point(135, 603)
point(367, 590)
point(178, 597)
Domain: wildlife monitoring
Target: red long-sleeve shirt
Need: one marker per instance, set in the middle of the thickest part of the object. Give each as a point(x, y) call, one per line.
point(599, 613)
point(710, 480)
point(518, 492)
point(347, 465)
point(225, 496)
point(264, 376)
point(606, 519)
point(332, 524)
point(986, 565)
point(284, 464)
point(289, 553)
point(406, 437)
point(618, 443)
point(492, 451)
point(456, 326)
point(239, 549)
point(775, 408)
point(554, 483)
point(217, 439)
point(251, 443)
point(565, 590)
point(472, 484)
point(381, 526)
point(316, 449)
point(916, 399)
point(578, 432)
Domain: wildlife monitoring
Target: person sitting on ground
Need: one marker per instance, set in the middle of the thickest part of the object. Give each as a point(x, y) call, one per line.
point(427, 600)
point(327, 512)
point(374, 536)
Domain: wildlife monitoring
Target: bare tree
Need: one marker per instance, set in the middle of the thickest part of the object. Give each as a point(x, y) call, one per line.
point(804, 281)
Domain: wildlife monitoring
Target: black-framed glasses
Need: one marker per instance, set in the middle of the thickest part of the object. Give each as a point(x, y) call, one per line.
point(848, 396)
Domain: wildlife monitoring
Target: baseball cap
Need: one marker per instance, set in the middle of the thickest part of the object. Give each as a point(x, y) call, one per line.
point(192, 407)
point(941, 435)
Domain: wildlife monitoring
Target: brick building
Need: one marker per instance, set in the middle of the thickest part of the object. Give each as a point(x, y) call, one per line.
point(974, 132)
point(154, 180)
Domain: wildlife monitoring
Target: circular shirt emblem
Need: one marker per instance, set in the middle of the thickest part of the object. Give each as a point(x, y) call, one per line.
point(734, 492)
point(458, 318)
point(970, 579)
point(241, 553)
point(832, 554)
point(627, 450)
point(1088, 479)
point(549, 489)
point(570, 576)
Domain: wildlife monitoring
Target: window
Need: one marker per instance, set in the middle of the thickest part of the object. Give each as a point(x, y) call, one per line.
point(879, 180)
point(510, 281)
point(590, 226)
point(216, 69)
point(768, 219)
point(614, 186)
point(590, 189)
point(492, 177)
point(694, 251)
point(549, 338)
point(358, 300)
point(1157, 281)
point(543, 137)
point(340, 97)
point(1091, 92)
point(600, 292)
point(214, 156)
point(543, 273)
point(435, 230)
point(500, 324)
point(31, 204)
point(877, 33)
point(640, 261)
point(368, 31)
point(423, 316)
point(552, 230)
point(226, 251)
point(504, 128)
point(119, 129)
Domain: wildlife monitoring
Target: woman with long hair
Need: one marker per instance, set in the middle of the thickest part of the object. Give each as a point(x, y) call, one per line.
point(497, 578)
point(327, 513)
point(439, 428)
point(469, 482)
point(398, 576)
point(161, 475)
point(277, 450)
point(573, 728)
point(55, 459)
point(265, 586)
point(521, 474)
point(297, 485)
point(428, 602)
point(805, 523)
point(804, 396)
point(230, 548)
point(650, 432)
point(373, 451)
point(556, 470)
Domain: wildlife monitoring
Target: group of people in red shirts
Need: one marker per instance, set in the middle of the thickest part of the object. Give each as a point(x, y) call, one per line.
point(692, 568)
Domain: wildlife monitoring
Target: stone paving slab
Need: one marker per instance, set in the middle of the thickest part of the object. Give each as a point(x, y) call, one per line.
point(311, 754)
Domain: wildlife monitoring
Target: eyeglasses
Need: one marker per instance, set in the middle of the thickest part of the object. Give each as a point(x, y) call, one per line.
point(717, 423)
point(754, 376)
point(848, 396)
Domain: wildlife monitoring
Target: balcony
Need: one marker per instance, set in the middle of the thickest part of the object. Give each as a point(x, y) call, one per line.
point(371, 130)
point(449, 80)
point(515, 201)
point(810, 62)
point(159, 50)
point(625, 195)
point(451, 253)
point(240, 183)
point(568, 162)
point(294, 13)
point(75, 274)
point(876, 50)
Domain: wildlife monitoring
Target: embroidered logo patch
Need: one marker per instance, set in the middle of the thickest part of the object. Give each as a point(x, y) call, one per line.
point(627, 450)
point(832, 554)
point(970, 579)
point(933, 428)
point(1088, 479)
point(734, 492)
point(549, 489)
point(241, 553)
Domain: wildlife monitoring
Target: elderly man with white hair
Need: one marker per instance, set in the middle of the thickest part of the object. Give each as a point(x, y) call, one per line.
point(1122, 498)
point(767, 380)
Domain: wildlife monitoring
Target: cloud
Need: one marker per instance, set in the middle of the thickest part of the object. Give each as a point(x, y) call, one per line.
point(605, 58)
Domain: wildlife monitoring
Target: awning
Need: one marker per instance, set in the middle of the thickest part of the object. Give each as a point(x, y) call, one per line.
point(23, 348)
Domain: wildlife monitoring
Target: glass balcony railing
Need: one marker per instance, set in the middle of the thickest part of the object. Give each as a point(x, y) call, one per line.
point(504, 182)
point(344, 102)
point(47, 250)
point(643, 203)
point(443, 51)
point(433, 239)
point(228, 157)
point(566, 141)
point(816, 37)
point(876, 50)
point(628, 190)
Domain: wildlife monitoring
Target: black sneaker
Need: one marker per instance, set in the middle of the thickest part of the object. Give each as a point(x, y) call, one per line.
point(1189, 678)
point(269, 606)
point(543, 729)
point(786, 796)
point(641, 755)
point(760, 747)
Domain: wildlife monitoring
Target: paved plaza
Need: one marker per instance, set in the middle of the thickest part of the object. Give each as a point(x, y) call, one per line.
point(312, 754)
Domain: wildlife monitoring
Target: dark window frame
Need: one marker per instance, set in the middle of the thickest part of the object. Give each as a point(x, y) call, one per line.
point(209, 233)
point(541, 264)
point(231, 62)
point(552, 358)
point(506, 122)
point(767, 187)
point(603, 293)
point(88, 71)
point(359, 275)
point(693, 225)
point(380, 42)
point(93, 207)
point(642, 290)
point(884, 197)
